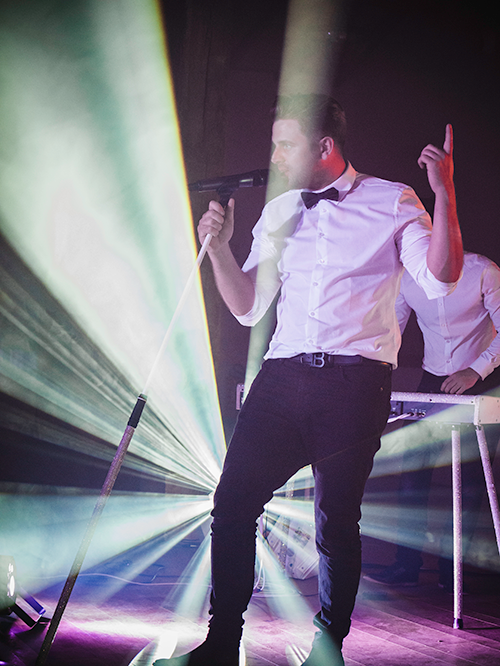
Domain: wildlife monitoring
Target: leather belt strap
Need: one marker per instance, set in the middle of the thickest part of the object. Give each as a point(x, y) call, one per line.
point(320, 360)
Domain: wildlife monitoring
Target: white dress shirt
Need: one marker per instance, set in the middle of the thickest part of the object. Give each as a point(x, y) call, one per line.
point(339, 266)
point(460, 330)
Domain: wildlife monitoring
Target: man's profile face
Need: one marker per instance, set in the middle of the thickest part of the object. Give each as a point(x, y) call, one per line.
point(294, 155)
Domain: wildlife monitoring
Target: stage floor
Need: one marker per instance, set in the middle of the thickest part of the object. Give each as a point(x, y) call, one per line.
point(391, 626)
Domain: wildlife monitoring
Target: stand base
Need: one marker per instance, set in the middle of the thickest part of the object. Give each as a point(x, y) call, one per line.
point(23, 615)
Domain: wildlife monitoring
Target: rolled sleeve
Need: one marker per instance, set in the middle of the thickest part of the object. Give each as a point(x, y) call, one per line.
point(261, 266)
point(433, 287)
point(413, 238)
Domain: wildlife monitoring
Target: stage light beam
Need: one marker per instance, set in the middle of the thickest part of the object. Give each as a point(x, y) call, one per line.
point(106, 225)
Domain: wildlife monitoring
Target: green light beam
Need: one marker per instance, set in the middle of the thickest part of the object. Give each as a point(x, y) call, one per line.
point(42, 532)
point(307, 67)
point(94, 202)
point(279, 591)
point(392, 523)
point(150, 552)
point(190, 597)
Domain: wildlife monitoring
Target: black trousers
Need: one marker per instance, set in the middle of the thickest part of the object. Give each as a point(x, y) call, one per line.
point(295, 415)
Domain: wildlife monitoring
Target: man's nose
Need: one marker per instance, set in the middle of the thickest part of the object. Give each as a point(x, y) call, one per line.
point(275, 156)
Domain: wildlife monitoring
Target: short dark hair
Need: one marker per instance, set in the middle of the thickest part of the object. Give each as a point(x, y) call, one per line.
point(318, 116)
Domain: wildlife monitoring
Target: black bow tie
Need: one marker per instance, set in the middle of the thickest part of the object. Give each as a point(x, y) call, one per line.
point(310, 199)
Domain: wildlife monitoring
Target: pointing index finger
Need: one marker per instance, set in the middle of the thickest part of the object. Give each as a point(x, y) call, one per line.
point(448, 140)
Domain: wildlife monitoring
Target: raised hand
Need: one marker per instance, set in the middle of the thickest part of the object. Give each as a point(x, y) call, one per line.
point(439, 163)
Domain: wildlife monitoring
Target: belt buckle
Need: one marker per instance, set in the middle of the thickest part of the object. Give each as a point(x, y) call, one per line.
point(318, 360)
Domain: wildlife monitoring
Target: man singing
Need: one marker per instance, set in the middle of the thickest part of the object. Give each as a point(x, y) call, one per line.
point(335, 244)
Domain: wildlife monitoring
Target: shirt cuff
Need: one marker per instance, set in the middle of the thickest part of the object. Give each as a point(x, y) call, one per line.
point(253, 316)
point(433, 287)
point(482, 366)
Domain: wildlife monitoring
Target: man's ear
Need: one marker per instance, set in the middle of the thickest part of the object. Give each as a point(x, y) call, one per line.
point(326, 146)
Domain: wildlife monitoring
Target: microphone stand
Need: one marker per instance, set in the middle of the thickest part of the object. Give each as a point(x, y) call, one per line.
point(117, 463)
point(225, 192)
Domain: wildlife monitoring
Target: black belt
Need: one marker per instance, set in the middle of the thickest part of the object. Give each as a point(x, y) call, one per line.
point(320, 360)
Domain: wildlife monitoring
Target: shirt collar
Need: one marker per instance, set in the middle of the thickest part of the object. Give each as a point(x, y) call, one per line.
point(343, 183)
point(346, 180)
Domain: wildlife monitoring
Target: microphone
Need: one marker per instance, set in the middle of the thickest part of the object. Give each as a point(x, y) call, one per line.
point(256, 178)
